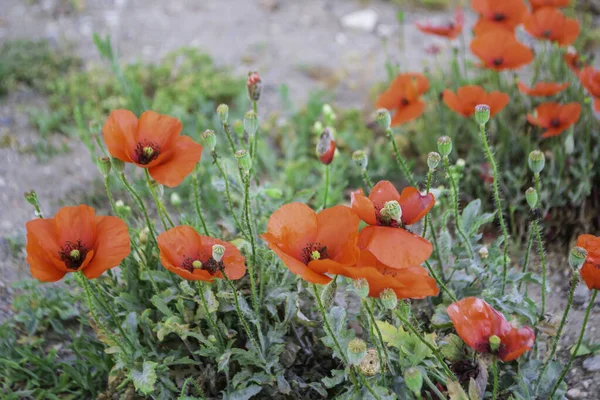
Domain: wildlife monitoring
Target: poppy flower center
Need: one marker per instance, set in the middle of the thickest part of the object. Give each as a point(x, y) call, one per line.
point(211, 265)
point(547, 33)
point(499, 17)
point(146, 152)
point(314, 251)
point(73, 254)
point(404, 102)
point(383, 217)
point(498, 61)
point(555, 123)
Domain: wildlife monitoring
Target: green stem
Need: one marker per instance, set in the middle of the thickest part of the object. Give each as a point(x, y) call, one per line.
point(138, 199)
point(440, 283)
point(227, 130)
point(197, 200)
point(401, 163)
point(457, 218)
point(228, 193)
point(381, 343)
point(109, 194)
point(427, 189)
point(252, 265)
point(542, 254)
point(528, 253)
point(498, 202)
point(326, 186)
point(160, 207)
point(495, 376)
point(209, 317)
point(367, 179)
point(576, 349)
point(112, 313)
point(432, 387)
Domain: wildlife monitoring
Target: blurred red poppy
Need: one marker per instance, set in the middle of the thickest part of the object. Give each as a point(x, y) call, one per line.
point(537, 4)
point(467, 97)
point(310, 244)
point(152, 142)
point(542, 89)
point(505, 14)
point(76, 239)
point(551, 24)
point(590, 79)
point(326, 147)
point(451, 29)
point(476, 321)
point(499, 50)
point(590, 272)
point(555, 117)
point(573, 60)
point(403, 97)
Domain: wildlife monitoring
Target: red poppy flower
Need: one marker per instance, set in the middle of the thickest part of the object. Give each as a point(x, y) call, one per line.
point(555, 117)
point(403, 96)
point(590, 272)
point(407, 283)
point(505, 14)
point(188, 254)
point(76, 239)
point(467, 97)
point(573, 61)
point(152, 142)
point(590, 79)
point(451, 29)
point(542, 89)
point(596, 108)
point(537, 4)
point(551, 24)
point(311, 244)
point(326, 147)
point(476, 321)
point(500, 50)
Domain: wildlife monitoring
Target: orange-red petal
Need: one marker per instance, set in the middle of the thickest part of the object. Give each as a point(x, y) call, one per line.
point(363, 207)
point(74, 224)
point(111, 246)
point(292, 227)
point(179, 162)
point(337, 229)
point(414, 205)
point(394, 247)
point(408, 113)
point(159, 129)
point(119, 133)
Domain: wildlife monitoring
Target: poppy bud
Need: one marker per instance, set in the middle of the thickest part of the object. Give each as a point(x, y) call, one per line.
point(212, 338)
point(361, 159)
point(122, 209)
point(31, 197)
point(388, 299)
point(318, 127)
point(370, 365)
point(460, 163)
point(577, 257)
point(160, 189)
point(413, 380)
point(243, 161)
point(273, 193)
point(484, 253)
point(117, 164)
point(383, 119)
point(326, 147)
point(531, 196)
point(328, 115)
point(175, 199)
point(433, 160)
point(104, 166)
point(217, 252)
point(251, 123)
point(361, 285)
point(537, 161)
point(328, 293)
point(209, 139)
point(238, 128)
point(392, 210)
point(494, 343)
point(357, 350)
point(444, 145)
point(143, 236)
point(482, 114)
point(223, 112)
point(254, 86)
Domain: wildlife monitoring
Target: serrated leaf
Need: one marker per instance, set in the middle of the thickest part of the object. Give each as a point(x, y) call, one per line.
point(145, 379)
point(339, 375)
point(470, 214)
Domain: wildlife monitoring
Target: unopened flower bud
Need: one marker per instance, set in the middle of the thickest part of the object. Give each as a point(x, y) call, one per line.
point(388, 299)
point(357, 350)
point(494, 343)
point(413, 380)
point(328, 293)
point(569, 145)
point(212, 338)
point(31, 197)
point(175, 199)
point(318, 127)
point(433, 160)
point(361, 159)
point(531, 196)
point(238, 128)
point(444, 144)
point(392, 210)
point(383, 119)
point(251, 123)
point(143, 236)
point(537, 161)
point(328, 115)
point(484, 253)
point(217, 252)
point(104, 166)
point(326, 147)
point(482, 114)
point(243, 161)
point(160, 189)
point(370, 365)
point(273, 193)
point(254, 86)
point(209, 139)
point(117, 164)
point(223, 112)
point(577, 257)
point(122, 209)
point(460, 163)
point(361, 285)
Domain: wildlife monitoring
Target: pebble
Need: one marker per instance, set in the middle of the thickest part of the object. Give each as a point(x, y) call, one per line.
point(574, 394)
point(592, 364)
point(364, 20)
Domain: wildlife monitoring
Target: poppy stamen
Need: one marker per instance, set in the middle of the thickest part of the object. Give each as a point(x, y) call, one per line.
point(73, 254)
point(192, 263)
point(499, 17)
point(555, 123)
point(547, 33)
point(498, 61)
point(314, 251)
point(404, 102)
point(146, 152)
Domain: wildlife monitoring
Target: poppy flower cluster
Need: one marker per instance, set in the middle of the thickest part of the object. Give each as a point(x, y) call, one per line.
point(404, 97)
point(450, 30)
point(319, 245)
point(486, 330)
point(548, 23)
point(590, 272)
point(465, 99)
point(506, 15)
point(542, 89)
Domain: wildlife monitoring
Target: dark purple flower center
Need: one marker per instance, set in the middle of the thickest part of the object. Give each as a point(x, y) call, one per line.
point(201, 261)
point(555, 123)
point(146, 152)
point(498, 61)
point(314, 251)
point(499, 17)
point(73, 254)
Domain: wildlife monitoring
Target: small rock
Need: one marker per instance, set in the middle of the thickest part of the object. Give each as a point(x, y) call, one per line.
point(574, 394)
point(581, 294)
point(587, 384)
point(592, 364)
point(364, 20)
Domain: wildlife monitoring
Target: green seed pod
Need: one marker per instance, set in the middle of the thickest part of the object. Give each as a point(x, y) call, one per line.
point(482, 114)
point(433, 160)
point(328, 294)
point(329, 116)
point(537, 161)
point(392, 210)
point(218, 251)
point(531, 196)
point(413, 380)
point(104, 166)
point(361, 285)
point(356, 351)
point(243, 161)
point(209, 139)
point(577, 257)
point(238, 128)
point(444, 144)
point(360, 158)
point(175, 199)
point(383, 119)
point(223, 112)
point(251, 123)
point(494, 343)
point(143, 235)
point(117, 164)
point(389, 299)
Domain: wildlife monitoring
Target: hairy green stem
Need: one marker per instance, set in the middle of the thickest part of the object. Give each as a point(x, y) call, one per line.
point(457, 217)
point(159, 207)
point(209, 317)
point(427, 189)
point(400, 160)
point(109, 194)
point(140, 203)
point(381, 343)
point(528, 253)
point(495, 376)
point(252, 265)
point(542, 253)
point(106, 304)
point(326, 186)
point(440, 283)
point(432, 387)
point(367, 179)
point(227, 130)
point(197, 200)
point(228, 194)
